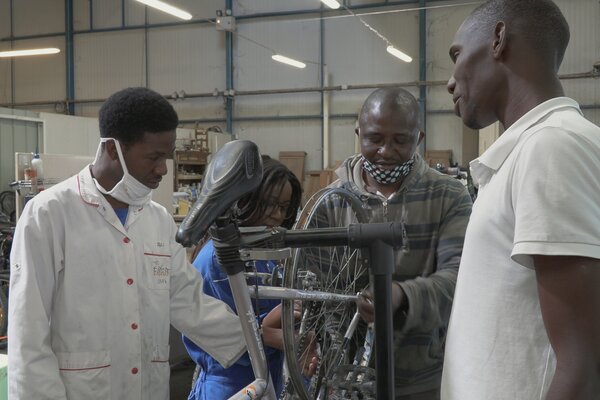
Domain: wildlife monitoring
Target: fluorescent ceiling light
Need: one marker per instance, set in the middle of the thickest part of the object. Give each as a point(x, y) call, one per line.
point(288, 61)
point(169, 9)
point(331, 4)
point(397, 53)
point(30, 52)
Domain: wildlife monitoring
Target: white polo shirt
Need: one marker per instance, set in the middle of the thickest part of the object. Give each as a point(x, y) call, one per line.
point(539, 187)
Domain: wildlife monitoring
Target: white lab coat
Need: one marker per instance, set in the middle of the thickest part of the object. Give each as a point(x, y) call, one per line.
point(91, 300)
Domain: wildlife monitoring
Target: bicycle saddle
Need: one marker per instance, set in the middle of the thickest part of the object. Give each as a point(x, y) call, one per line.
point(234, 170)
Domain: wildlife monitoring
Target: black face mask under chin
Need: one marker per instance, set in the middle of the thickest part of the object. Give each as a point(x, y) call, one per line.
point(388, 176)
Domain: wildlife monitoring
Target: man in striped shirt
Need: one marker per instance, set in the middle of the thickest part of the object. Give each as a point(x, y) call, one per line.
point(395, 184)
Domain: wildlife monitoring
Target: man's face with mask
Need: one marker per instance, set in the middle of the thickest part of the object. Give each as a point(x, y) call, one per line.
point(146, 159)
point(388, 136)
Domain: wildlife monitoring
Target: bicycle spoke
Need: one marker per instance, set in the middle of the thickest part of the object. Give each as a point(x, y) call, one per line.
point(336, 269)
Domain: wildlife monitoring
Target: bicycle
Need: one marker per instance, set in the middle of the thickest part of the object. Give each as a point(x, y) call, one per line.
point(236, 170)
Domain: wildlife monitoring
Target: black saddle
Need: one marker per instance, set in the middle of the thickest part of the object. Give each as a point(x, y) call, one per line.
point(234, 170)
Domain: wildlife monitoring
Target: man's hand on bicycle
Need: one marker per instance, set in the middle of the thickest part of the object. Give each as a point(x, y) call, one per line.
point(309, 359)
point(365, 305)
point(271, 329)
point(273, 337)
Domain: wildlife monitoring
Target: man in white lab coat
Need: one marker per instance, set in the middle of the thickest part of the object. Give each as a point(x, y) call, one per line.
point(97, 277)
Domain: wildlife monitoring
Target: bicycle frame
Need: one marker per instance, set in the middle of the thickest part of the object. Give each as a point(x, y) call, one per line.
point(236, 170)
point(379, 238)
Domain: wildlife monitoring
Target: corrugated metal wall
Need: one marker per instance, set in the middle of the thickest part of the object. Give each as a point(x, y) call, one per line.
point(112, 49)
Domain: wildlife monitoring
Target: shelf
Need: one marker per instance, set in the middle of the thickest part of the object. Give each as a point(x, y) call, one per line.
point(178, 217)
point(189, 167)
point(26, 184)
point(191, 156)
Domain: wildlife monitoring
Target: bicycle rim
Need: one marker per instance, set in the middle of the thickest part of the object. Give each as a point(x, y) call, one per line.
point(329, 269)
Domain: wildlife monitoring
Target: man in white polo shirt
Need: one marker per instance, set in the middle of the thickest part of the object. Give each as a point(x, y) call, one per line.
point(525, 322)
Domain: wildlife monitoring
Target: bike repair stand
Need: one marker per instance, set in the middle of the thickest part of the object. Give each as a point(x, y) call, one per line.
point(380, 239)
point(382, 264)
point(381, 253)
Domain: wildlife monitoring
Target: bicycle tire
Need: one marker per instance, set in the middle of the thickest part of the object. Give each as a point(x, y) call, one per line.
point(8, 205)
point(3, 309)
point(336, 269)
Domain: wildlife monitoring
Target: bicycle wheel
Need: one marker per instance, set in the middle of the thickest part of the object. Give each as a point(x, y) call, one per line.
point(323, 324)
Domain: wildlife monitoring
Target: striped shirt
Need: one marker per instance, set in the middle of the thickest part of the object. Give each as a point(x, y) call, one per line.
point(435, 209)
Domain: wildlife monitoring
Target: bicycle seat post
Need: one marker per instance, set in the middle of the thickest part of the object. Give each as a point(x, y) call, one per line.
point(226, 239)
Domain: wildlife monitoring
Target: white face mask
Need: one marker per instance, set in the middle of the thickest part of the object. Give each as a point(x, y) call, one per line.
point(128, 190)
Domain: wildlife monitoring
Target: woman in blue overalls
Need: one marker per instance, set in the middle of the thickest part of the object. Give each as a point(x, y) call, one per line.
point(274, 203)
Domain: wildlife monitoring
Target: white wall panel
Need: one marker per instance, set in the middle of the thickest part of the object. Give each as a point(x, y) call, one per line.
point(254, 68)
point(107, 13)
point(439, 99)
point(279, 104)
point(70, 135)
point(4, 18)
point(355, 55)
point(343, 140)
point(49, 108)
point(585, 91)
point(348, 101)
point(273, 137)
point(135, 13)
point(190, 58)
point(32, 17)
point(5, 75)
point(200, 108)
point(583, 49)
point(351, 101)
point(593, 115)
point(199, 10)
point(87, 110)
point(442, 23)
point(444, 132)
point(42, 77)
point(81, 15)
point(248, 7)
point(15, 136)
point(107, 62)
point(188, 109)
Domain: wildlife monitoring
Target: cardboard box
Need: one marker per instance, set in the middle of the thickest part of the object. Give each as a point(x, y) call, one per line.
point(191, 155)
